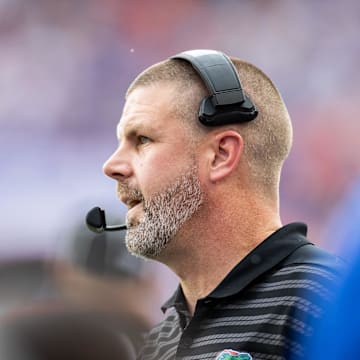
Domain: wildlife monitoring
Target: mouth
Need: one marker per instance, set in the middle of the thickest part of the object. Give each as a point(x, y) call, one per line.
point(134, 213)
point(132, 203)
point(130, 200)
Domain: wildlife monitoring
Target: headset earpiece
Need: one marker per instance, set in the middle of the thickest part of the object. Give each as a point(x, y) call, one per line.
point(227, 103)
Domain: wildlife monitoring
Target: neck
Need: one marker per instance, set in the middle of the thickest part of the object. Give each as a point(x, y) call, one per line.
point(222, 241)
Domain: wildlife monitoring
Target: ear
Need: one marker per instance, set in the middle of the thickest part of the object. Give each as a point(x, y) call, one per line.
point(227, 147)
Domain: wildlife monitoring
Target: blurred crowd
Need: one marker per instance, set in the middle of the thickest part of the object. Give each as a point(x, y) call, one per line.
point(64, 68)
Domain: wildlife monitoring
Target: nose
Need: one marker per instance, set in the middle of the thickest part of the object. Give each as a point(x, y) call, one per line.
point(117, 167)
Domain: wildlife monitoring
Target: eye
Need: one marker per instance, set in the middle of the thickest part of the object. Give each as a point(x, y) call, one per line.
point(143, 140)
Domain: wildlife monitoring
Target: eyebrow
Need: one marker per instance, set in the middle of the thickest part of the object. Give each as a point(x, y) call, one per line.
point(133, 127)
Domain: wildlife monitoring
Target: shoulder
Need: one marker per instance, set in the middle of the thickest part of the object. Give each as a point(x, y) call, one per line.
point(312, 271)
point(303, 283)
point(158, 339)
point(309, 262)
point(315, 257)
point(165, 326)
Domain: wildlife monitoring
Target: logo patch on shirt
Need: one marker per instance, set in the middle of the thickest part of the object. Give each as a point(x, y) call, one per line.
point(229, 354)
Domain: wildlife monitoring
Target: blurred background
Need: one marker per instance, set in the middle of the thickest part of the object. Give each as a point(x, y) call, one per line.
point(64, 68)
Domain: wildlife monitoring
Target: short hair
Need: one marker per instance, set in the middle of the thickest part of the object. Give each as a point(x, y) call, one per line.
point(267, 139)
point(190, 89)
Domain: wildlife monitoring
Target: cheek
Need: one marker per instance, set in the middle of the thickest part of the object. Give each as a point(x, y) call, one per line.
point(155, 175)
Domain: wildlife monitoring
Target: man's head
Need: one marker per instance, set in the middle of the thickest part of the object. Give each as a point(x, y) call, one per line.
point(167, 162)
point(267, 139)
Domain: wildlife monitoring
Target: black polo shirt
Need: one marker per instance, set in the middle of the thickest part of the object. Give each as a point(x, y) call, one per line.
point(264, 307)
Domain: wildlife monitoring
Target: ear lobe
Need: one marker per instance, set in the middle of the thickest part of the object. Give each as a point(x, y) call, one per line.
point(228, 147)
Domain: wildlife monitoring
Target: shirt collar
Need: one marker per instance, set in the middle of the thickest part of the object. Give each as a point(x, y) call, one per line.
point(265, 256)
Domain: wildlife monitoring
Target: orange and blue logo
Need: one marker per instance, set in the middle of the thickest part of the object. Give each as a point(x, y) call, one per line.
point(229, 354)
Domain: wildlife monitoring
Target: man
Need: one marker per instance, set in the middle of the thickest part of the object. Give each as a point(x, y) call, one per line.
point(204, 200)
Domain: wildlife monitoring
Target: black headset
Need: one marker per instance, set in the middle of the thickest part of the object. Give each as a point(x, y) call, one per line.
point(227, 103)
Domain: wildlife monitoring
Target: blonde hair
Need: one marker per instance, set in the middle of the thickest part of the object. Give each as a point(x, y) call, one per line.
point(267, 139)
point(190, 90)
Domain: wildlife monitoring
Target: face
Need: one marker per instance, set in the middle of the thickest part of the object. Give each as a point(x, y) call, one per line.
point(155, 169)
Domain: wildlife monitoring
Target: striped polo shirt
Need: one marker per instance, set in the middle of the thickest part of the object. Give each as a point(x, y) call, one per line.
point(264, 307)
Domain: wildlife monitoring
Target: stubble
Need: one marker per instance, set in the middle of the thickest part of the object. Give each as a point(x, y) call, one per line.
point(164, 214)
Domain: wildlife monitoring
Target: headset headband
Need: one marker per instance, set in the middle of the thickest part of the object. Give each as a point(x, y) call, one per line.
point(227, 103)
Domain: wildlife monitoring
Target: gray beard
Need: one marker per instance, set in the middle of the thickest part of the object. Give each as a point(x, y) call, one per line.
point(164, 214)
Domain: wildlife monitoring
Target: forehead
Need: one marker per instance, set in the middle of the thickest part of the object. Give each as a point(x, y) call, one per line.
point(148, 106)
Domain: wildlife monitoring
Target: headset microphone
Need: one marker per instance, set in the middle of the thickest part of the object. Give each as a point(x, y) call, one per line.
point(95, 221)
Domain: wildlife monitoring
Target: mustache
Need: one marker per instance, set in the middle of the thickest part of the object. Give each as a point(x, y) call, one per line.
point(133, 194)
